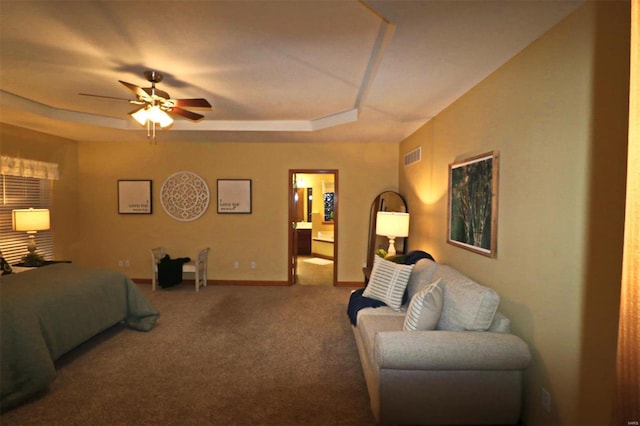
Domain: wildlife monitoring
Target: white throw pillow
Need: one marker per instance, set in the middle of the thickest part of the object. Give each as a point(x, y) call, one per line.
point(388, 282)
point(424, 309)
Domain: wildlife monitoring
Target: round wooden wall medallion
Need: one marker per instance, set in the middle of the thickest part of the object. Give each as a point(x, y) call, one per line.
point(184, 196)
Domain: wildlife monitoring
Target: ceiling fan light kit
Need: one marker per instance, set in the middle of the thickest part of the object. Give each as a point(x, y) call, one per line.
point(153, 114)
point(157, 104)
point(149, 116)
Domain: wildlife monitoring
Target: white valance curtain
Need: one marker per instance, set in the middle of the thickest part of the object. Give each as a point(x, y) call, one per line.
point(28, 168)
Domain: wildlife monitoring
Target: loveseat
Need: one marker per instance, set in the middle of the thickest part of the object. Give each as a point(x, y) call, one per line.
point(443, 354)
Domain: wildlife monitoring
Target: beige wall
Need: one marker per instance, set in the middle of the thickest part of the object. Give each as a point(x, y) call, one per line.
point(557, 115)
point(16, 142)
point(88, 229)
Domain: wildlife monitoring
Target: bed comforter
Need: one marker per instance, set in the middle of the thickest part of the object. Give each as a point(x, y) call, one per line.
point(48, 311)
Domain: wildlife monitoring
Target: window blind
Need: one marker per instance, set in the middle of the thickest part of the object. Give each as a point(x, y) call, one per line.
point(22, 193)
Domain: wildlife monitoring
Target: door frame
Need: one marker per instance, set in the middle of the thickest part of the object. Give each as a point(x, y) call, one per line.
point(292, 255)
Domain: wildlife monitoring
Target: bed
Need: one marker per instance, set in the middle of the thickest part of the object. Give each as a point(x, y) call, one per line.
point(48, 311)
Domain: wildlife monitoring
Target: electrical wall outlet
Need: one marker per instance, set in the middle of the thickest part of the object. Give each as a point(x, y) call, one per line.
point(253, 264)
point(120, 263)
point(545, 400)
point(236, 264)
point(127, 264)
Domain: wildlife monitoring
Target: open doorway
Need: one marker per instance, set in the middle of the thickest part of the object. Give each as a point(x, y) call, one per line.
point(313, 230)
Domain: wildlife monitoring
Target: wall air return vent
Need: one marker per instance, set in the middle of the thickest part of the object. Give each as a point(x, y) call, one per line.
point(413, 156)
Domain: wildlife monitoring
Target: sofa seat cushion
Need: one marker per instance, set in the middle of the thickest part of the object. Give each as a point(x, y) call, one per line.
point(357, 302)
point(382, 310)
point(388, 282)
point(467, 305)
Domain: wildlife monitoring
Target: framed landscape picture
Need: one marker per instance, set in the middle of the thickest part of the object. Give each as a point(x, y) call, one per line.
point(473, 204)
point(134, 197)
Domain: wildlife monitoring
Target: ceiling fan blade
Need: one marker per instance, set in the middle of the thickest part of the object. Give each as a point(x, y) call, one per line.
point(188, 114)
point(136, 110)
point(110, 97)
point(139, 91)
point(162, 94)
point(193, 103)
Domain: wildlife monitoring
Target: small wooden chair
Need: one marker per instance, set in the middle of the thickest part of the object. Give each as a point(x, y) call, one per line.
point(199, 266)
point(157, 254)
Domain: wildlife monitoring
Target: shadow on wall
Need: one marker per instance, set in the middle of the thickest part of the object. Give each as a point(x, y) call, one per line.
point(537, 381)
point(605, 239)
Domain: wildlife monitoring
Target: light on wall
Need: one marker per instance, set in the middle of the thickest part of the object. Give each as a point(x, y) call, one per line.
point(31, 221)
point(392, 225)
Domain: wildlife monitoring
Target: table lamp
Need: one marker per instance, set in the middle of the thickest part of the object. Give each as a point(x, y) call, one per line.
point(31, 221)
point(392, 225)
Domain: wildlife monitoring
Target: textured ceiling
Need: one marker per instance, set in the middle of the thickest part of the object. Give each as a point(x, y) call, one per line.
point(290, 71)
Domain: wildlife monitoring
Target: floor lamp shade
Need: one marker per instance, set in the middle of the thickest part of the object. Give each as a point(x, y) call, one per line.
point(392, 225)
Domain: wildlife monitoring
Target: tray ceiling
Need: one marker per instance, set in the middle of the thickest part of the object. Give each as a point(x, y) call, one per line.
point(281, 71)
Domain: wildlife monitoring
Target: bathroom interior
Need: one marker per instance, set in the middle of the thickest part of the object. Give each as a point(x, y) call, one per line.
point(314, 201)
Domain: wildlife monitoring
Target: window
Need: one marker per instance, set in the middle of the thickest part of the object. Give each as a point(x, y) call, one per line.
point(22, 193)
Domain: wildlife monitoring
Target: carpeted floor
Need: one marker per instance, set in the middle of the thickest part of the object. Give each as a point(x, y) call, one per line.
point(224, 356)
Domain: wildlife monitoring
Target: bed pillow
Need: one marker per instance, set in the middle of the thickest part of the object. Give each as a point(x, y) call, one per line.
point(388, 282)
point(424, 309)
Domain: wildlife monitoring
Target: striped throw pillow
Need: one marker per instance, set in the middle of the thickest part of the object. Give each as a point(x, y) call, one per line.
point(387, 282)
point(424, 309)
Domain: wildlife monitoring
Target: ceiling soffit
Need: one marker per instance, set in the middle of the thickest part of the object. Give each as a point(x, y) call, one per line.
point(330, 66)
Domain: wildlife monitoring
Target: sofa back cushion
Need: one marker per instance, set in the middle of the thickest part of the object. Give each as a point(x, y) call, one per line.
point(421, 276)
point(500, 323)
point(467, 305)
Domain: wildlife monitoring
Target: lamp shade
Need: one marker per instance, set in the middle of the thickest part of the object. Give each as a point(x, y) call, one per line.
point(31, 220)
point(160, 117)
point(153, 114)
point(392, 224)
point(140, 116)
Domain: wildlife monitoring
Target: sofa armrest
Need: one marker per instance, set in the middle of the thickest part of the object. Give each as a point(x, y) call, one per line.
point(450, 350)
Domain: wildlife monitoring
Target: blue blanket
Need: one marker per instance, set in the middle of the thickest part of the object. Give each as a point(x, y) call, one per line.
point(357, 301)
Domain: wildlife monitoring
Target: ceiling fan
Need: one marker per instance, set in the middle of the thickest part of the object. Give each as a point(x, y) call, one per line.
point(155, 104)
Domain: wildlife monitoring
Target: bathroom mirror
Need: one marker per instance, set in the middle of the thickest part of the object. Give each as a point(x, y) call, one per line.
point(309, 204)
point(388, 201)
point(303, 198)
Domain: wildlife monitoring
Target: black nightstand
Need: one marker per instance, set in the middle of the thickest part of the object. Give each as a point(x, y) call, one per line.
point(45, 263)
